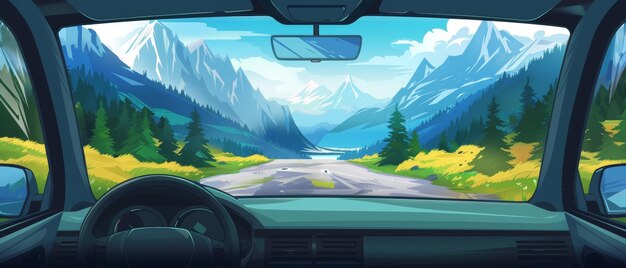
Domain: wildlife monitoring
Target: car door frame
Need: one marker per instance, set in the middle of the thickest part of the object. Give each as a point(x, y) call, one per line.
point(583, 59)
point(67, 187)
point(582, 66)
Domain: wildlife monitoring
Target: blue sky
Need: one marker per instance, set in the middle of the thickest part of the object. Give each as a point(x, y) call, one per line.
point(392, 48)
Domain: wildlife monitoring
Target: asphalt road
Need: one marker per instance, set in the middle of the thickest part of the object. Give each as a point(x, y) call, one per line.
point(326, 177)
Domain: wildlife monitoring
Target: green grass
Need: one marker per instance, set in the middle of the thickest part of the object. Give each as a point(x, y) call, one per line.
point(323, 184)
point(99, 186)
point(391, 169)
point(106, 171)
point(457, 182)
point(27, 154)
point(421, 173)
point(452, 174)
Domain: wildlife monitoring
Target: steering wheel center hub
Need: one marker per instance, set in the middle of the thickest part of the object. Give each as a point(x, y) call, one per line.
point(158, 247)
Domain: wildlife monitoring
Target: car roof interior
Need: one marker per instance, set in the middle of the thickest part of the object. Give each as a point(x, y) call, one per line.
point(564, 13)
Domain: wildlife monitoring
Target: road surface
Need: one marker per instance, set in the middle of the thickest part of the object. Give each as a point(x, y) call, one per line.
point(326, 177)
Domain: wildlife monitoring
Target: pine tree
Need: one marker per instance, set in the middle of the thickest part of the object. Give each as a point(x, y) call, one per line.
point(86, 93)
point(616, 106)
point(476, 132)
point(82, 127)
point(124, 123)
point(114, 113)
point(461, 136)
point(602, 101)
point(168, 146)
point(140, 142)
point(101, 140)
point(195, 152)
point(154, 126)
point(396, 150)
point(527, 126)
point(614, 147)
point(547, 105)
point(443, 142)
point(528, 96)
point(595, 133)
point(609, 150)
point(513, 121)
point(493, 158)
point(414, 144)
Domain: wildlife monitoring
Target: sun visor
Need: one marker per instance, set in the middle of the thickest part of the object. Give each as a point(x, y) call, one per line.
point(526, 10)
point(123, 9)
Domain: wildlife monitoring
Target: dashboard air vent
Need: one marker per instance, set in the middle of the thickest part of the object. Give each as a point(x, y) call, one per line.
point(289, 250)
point(544, 253)
point(65, 251)
point(339, 250)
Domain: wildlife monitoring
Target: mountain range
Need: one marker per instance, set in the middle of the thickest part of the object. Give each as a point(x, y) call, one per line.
point(155, 63)
point(315, 104)
point(489, 55)
point(207, 78)
point(154, 57)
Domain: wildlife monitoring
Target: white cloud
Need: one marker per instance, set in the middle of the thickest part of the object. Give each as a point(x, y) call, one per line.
point(114, 35)
point(438, 44)
point(191, 31)
point(272, 78)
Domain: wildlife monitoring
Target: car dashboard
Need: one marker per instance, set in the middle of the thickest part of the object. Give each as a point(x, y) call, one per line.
point(354, 232)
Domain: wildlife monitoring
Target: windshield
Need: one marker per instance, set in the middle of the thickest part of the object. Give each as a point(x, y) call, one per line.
point(436, 108)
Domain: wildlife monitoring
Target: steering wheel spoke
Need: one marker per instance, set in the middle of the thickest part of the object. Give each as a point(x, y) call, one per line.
point(221, 251)
point(98, 250)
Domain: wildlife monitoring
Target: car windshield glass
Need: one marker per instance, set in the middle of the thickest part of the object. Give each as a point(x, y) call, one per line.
point(431, 107)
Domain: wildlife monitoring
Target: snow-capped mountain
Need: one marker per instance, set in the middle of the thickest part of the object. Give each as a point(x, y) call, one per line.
point(81, 47)
point(532, 50)
point(265, 124)
point(204, 64)
point(422, 71)
point(209, 79)
point(349, 98)
point(311, 95)
point(487, 56)
point(156, 51)
point(458, 76)
point(316, 104)
point(214, 74)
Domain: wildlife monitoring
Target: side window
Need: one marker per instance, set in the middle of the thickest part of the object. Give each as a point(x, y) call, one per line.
point(602, 166)
point(23, 161)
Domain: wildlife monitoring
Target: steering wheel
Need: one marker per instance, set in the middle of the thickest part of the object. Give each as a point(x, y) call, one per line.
point(158, 246)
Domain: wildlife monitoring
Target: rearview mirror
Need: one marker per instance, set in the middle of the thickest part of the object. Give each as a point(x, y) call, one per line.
point(17, 188)
point(608, 187)
point(316, 48)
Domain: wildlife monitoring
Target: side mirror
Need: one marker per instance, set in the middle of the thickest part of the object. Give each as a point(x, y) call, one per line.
point(18, 190)
point(608, 189)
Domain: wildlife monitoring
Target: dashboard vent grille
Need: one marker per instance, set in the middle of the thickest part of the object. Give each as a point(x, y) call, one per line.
point(339, 250)
point(314, 249)
point(66, 248)
point(289, 249)
point(544, 252)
